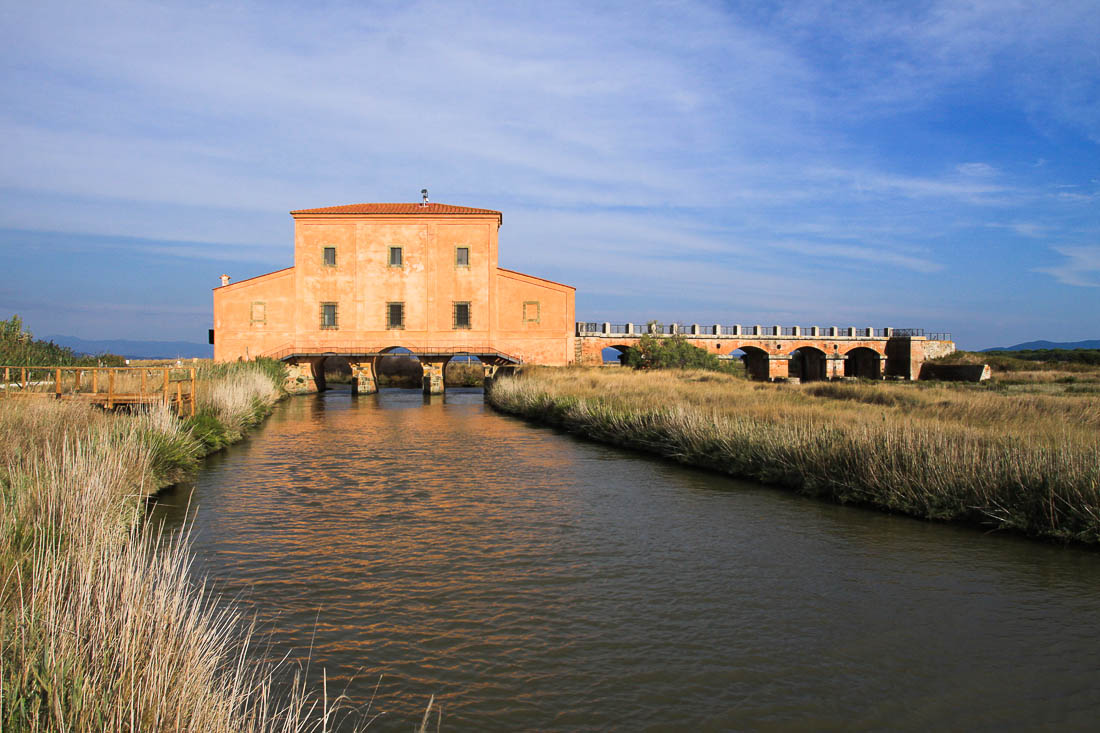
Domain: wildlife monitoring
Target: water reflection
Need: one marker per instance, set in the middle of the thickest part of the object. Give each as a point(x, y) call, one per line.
point(530, 581)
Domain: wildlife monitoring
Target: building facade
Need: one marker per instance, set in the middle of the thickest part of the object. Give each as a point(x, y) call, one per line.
point(371, 277)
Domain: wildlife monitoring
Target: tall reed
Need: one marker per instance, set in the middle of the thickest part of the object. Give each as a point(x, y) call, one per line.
point(1030, 463)
point(102, 628)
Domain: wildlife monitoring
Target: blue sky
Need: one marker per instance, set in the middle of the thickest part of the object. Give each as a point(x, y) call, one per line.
point(909, 164)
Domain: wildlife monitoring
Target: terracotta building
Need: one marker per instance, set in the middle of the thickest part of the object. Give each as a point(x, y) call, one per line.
point(371, 277)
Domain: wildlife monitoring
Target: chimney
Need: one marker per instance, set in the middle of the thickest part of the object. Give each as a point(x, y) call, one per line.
point(424, 193)
point(225, 280)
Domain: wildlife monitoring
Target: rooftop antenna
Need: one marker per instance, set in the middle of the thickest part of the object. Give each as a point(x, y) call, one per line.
point(424, 193)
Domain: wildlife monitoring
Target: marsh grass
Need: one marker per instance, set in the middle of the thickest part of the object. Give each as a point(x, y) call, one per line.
point(464, 374)
point(1029, 462)
point(102, 628)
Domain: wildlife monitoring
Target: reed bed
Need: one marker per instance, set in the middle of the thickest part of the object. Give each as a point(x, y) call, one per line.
point(1027, 462)
point(101, 627)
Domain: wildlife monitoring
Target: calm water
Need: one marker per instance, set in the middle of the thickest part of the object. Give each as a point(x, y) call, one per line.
point(534, 582)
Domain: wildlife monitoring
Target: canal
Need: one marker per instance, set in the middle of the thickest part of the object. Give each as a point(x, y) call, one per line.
point(531, 581)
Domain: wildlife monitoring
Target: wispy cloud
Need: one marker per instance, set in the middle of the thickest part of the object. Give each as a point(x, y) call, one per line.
point(1080, 269)
point(758, 142)
point(882, 255)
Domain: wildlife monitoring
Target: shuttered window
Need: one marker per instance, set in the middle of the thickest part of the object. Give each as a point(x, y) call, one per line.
point(395, 315)
point(328, 316)
point(462, 316)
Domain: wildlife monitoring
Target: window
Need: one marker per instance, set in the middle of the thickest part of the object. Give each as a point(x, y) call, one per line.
point(395, 315)
point(462, 315)
point(258, 312)
point(328, 316)
point(462, 256)
point(330, 256)
point(395, 257)
point(531, 311)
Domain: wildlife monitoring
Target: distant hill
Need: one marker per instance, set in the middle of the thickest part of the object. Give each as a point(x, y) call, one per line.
point(1032, 345)
point(136, 349)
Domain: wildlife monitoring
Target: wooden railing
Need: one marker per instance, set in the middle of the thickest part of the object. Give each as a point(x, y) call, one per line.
point(107, 386)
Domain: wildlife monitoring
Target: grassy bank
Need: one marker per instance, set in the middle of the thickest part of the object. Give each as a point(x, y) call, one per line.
point(102, 629)
point(1028, 462)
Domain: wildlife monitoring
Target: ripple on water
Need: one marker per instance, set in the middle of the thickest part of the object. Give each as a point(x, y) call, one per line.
point(530, 581)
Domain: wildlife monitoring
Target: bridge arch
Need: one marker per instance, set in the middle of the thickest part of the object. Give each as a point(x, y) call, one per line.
point(331, 369)
point(399, 367)
point(863, 362)
point(464, 370)
point(616, 353)
point(755, 360)
point(808, 364)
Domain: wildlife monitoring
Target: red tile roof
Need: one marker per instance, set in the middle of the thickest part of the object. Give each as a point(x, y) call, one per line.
point(396, 209)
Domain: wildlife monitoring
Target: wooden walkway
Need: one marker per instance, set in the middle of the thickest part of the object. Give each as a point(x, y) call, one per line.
point(108, 387)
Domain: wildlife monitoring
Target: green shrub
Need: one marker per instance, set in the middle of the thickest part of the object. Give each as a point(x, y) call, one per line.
point(209, 431)
point(674, 352)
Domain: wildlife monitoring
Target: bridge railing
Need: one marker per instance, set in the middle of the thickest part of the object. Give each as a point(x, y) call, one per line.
point(639, 328)
point(108, 386)
point(374, 350)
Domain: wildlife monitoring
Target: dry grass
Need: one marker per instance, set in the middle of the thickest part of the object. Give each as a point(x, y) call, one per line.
point(464, 374)
point(236, 397)
point(1024, 461)
point(102, 629)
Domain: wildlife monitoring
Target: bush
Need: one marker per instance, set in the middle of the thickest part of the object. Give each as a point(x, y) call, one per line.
point(209, 431)
point(674, 352)
point(1077, 356)
point(1062, 360)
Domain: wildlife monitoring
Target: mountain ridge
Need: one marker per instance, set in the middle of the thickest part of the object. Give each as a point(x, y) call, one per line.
point(135, 349)
point(1031, 345)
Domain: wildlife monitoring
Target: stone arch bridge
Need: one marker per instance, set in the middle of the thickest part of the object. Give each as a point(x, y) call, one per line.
point(307, 371)
point(769, 352)
point(784, 352)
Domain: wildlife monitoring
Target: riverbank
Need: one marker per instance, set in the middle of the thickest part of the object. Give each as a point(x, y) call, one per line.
point(102, 628)
point(1002, 460)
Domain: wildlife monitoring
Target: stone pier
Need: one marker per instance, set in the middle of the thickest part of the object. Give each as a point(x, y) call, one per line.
point(433, 374)
point(363, 379)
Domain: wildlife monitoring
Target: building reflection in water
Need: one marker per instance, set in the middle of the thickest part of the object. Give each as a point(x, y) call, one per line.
point(530, 581)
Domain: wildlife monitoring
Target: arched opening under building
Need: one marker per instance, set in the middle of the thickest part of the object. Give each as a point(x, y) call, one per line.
point(399, 368)
point(863, 363)
point(464, 370)
point(331, 371)
point(755, 361)
point(807, 364)
point(615, 354)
